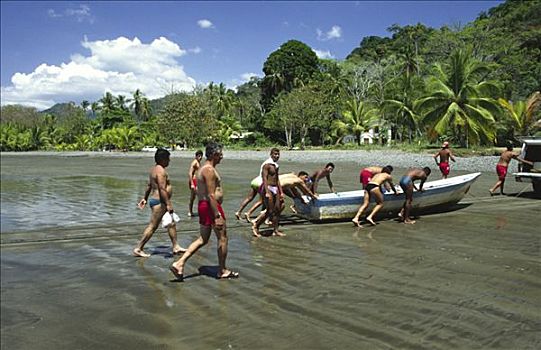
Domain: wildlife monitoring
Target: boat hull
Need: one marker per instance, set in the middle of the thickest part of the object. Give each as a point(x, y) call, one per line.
point(344, 205)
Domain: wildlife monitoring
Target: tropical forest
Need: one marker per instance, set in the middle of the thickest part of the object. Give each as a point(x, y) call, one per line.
point(474, 85)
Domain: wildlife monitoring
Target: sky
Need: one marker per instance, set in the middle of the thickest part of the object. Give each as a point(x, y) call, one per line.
point(61, 51)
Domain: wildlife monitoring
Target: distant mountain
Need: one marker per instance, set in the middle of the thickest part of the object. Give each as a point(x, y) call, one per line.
point(64, 109)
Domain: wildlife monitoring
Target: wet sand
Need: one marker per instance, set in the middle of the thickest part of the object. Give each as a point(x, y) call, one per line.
point(469, 278)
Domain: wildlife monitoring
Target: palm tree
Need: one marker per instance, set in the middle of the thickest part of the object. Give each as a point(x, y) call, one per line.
point(357, 118)
point(523, 112)
point(140, 105)
point(84, 105)
point(107, 103)
point(460, 101)
point(94, 107)
point(121, 101)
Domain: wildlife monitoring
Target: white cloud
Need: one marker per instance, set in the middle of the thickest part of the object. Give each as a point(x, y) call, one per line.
point(120, 66)
point(81, 13)
point(195, 50)
point(205, 23)
point(246, 76)
point(334, 33)
point(323, 54)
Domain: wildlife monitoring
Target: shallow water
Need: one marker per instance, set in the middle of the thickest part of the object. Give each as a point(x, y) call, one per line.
point(469, 278)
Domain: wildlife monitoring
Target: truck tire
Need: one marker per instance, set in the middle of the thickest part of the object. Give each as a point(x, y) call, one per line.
point(537, 187)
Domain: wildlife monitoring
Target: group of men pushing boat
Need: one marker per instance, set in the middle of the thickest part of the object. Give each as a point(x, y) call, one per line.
point(205, 183)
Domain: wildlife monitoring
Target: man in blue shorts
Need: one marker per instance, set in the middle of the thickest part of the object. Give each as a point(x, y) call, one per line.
point(406, 183)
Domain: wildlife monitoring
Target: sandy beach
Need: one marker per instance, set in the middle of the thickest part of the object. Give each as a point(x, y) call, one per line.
point(462, 279)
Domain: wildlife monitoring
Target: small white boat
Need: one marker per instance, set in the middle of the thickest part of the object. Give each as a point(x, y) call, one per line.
point(344, 205)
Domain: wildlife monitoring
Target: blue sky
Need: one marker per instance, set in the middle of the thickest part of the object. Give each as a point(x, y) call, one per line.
point(60, 51)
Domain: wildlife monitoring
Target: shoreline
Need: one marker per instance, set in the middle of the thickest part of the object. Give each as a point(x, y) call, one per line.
point(396, 158)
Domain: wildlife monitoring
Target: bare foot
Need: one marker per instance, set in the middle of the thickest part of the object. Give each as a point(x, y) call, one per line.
point(268, 222)
point(278, 233)
point(178, 249)
point(491, 193)
point(237, 215)
point(293, 209)
point(255, 230)
point(356, 222)
point(408, 221)
point(140, 254)
point(177, 272)
point(371, 221)
point(247, 218)
point(228, 274)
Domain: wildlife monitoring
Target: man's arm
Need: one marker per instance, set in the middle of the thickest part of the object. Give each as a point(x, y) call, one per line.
point(161, 179)
point(191, 174)
point(390, 182)
point(421, 184)
point(144, 200)
point(264, 175)
point(524, 161)
point(331, 187)
point(435, 156)
point(209, 176)
point(305, 190)
point(452, 157)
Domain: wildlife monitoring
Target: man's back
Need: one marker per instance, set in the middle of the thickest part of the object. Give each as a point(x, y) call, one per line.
point(506, 157)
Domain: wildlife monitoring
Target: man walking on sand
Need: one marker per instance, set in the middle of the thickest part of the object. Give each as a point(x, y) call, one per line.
point(407, 185)
point(272, 193)
point(159, 189)
point(211, 214)
point(444, 154)
point(192, 179)
point(501, 168)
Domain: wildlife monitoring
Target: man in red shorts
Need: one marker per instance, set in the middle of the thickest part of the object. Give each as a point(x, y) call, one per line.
point(192, 179)
point(444, 154)
point(501, 168)
point(367, 173)
point(211, 214)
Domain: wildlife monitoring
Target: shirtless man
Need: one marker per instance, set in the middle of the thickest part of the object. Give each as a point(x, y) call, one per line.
point(501, 168)
point(160, 191)
point(211, 214)
point(444, 154)
point(406, 182)
point(320, 174)
point(255, 185)
point(373, 189)
point(295, 186)
point(366, 174)
point(192, 179)
point(273, 196)
point(254, 190)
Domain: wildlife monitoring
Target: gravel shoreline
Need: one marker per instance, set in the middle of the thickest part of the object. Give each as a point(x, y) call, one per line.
point(396, 158)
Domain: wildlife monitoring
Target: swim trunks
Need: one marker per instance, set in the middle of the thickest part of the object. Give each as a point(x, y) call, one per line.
point(206, 216)
point(365, 177)
point(194, 181)
point(153, 201)
point(273, 189)
point(256, 182)
point(501, 170)
point(444, 168)
point(405, 182)
point(369, 187)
